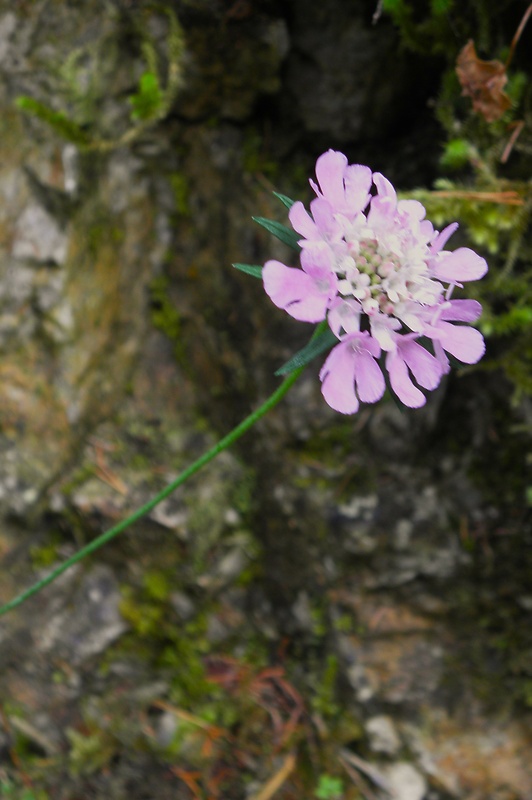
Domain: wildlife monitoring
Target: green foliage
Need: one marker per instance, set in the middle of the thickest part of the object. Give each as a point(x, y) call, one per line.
point(324, 700)
point(157, 585)
point(250, 269)
point(90, 751)
point(492, 197)
point(286, 235)
point(82, 85)
point(144, 617)
point(180, 189)
point(14, 791)
point(402, 8)
point(178, 649)
point(518, 82)
point(441, 7)
point(488, 223)
point(286, 201)
point(495, 213)
point(43, 556)
point(422, 30)
point(456, 155)
point(499, 228)
point(147, 102)
point(66, 128)
point(317, 345)
point(254, 157)
point(329, 788)
point(165, 316)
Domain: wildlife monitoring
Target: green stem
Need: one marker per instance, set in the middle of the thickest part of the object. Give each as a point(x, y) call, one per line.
point(105, 537)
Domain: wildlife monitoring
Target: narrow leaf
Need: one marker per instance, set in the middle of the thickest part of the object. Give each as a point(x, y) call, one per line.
point(318, 344)
point(286, 235)
point(57, 120)
point(284, 200)
point(249, 269)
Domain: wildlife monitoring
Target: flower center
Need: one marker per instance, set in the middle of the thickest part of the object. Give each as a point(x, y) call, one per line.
point(380, 279)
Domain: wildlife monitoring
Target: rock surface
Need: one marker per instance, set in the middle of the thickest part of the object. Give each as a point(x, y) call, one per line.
point(332, 584)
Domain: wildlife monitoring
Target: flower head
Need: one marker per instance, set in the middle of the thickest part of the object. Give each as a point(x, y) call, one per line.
point(377, 271)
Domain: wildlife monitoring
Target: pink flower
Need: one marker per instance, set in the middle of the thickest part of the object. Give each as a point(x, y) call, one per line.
point(465, 344)
point(351, 366)
point(376, 270)
point(461, 265)
point(346, 187)
point(305, 294)
point(411, 357)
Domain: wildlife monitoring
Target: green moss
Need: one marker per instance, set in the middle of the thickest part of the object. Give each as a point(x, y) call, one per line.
point(12, 789)
point(165, 316)
point(329, 788)
point(157, 585)
point(66, 128)
point(176, 649)
point(181, 190)
point(344, 623)
point(90, 751)
point(45, 555)
point(100, 233)
point(243, 492)
point(494, 643)
point(83, 80)
point(148, 101)
point(255, 158)
point(324, 701)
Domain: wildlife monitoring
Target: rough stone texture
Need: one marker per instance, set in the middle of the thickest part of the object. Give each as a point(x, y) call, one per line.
point(89, 625)
point(382, 734)
point(406, 783)
point(373, 550)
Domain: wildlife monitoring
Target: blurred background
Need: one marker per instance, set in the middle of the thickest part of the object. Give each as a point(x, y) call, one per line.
point(339, 607)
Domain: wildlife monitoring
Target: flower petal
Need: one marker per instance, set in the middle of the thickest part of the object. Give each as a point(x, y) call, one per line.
point(439, 352)
point(413, 209)
point(330, 168)
point(381, 212)
point(302, 222)
point(425, 368)
point(368, 377)
point(358, 180)
point(295, 292)
point(438, 243)
point(323, 216)
point(317, 261)
point(383, 330)
point(401, 382)
point(462, 311)
point(384, 187)
point(464, 343)
point(460, 265)
point(344, 317)
point(338, 380)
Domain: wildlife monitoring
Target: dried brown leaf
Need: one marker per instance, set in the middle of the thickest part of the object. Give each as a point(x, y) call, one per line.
point(483, 81)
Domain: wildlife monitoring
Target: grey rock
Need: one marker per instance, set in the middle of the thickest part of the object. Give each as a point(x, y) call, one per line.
point(358, 679)
point(382, 735)
point(405, 781)
point(182, 605)
point(85, 628)
point(38, 237)
point(166, 728)
point(302, 612)
point(8, 25)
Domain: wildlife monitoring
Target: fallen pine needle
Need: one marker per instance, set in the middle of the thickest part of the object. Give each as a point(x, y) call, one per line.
point(277, 780)
point(509, 198)
point(186, 716)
